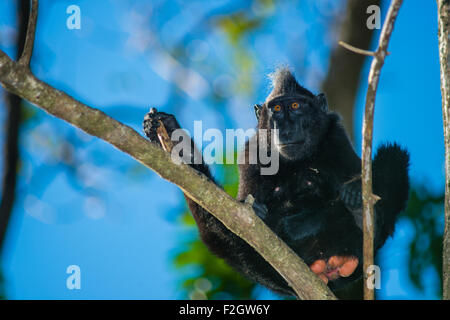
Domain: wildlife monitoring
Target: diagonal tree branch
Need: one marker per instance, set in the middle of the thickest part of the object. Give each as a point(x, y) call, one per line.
point(444, 55)
point(369, 199)
point(239, 218)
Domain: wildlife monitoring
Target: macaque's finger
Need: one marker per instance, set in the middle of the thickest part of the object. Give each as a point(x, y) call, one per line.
point(323, 278)
point(318, 266)
point(335, 262)
point(348, 267)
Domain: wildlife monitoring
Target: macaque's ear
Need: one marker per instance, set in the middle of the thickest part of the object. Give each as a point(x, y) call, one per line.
point(257, 108)
point(321, 101)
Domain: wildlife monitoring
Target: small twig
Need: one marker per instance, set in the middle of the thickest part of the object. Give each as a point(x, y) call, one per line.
point(164, 138)
point(355, 178)
point(369, 199)
point(356, 50)
point(361, 51)
point(29, 40)
point(163, 135)
point(250, 200)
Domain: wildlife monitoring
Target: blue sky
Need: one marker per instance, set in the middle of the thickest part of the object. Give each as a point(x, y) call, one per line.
point(122, 232)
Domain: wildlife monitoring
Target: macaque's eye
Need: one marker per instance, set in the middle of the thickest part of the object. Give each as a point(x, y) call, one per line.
point(277, 108)
point(295, 105)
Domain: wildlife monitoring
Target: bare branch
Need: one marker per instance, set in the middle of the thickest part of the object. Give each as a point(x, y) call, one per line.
point(31, 31)
point(239, 218)
point(369, 199)
point(356, 50)
point(444, 57)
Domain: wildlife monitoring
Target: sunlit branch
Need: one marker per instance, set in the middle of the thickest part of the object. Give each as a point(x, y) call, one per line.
point(369, 199)
point(444, 57)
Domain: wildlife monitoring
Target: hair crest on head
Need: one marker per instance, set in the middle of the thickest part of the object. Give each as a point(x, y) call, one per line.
point(283, 83)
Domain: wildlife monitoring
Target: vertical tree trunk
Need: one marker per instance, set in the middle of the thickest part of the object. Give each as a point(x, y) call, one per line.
point(444, 54)
point(343, 78)
point(13, 118)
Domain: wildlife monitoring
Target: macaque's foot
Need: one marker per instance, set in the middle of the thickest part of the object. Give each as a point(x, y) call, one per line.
point(335, 267)
point(152, 122)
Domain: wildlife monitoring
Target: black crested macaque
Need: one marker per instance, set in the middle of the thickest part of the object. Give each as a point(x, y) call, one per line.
point(313, 202)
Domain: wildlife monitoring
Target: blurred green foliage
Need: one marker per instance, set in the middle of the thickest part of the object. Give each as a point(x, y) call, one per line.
point(425, 212)
point(237, 25)
point(216, 280)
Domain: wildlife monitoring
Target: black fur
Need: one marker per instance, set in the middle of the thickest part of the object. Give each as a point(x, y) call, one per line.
point(284, 84)
point(314, 201)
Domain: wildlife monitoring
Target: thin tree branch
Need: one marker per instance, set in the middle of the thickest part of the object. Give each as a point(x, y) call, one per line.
point(239, 218)
point(369, 199)
point(30, 36)
point(444, 57)
point(356, 50)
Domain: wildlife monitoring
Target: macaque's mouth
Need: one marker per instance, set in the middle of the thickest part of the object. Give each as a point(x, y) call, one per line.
point(294, 143)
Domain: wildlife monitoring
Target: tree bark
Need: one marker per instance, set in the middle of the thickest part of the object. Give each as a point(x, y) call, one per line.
point(444, 55)
point(369, 199)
